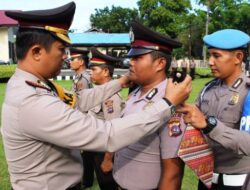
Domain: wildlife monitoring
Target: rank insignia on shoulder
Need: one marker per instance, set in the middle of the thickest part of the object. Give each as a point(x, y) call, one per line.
point(234, 99)
point(38, 85)
point(152, 93)
point(174, 125)
point(109, 106)
point(237, 83)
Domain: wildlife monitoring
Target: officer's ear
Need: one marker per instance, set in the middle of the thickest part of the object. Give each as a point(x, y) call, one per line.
point(36, 52)
point(161, 64)
point(106, 72)
point(239, 55)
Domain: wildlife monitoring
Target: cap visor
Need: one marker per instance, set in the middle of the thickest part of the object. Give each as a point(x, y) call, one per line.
point(138, 51)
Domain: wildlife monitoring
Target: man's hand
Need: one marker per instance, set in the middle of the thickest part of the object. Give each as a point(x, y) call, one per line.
point(193, 115)
point(125, 81)
point(107, 166)
point(177, 93)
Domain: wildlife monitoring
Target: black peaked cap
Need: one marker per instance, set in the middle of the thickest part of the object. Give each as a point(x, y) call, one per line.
point(57, 20)
point(74, 51)
point(95, 54)
point(142, 32)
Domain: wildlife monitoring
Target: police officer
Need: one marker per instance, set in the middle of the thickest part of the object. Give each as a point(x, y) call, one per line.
point(174, 66)
point(219, 109)
point(42, 129)
point(101, 71)
point(184, 66)
point(152, 162)
point(79, 62)
point(192, 68)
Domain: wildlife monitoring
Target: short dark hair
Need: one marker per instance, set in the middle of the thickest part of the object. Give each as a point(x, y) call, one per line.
point(26, 38)
point(83, 58)
point(158, 54)
point(105, 66)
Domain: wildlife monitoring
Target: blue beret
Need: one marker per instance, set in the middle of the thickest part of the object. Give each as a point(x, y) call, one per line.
point(227, 39)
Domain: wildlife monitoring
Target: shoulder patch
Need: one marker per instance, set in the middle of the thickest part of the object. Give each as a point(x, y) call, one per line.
point(109, 106)
point(152, 93)
point(237, 83)
point(37, 85)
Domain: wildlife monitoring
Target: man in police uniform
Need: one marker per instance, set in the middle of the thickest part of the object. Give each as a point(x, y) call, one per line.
point(174, 66)
point(101, 71)
point(192, 68)
point(79, 62)
point(219, 109)
point(152, 162)
point(184, 66)
point(42, 129)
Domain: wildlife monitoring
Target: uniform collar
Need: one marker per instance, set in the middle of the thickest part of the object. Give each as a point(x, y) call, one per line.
point(239, 83)
point(151, 94)
point(26, 75)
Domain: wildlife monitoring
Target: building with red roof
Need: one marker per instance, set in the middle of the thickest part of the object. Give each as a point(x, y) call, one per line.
point(8, 29)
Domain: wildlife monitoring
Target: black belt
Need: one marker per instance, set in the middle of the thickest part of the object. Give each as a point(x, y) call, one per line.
point(76, 187)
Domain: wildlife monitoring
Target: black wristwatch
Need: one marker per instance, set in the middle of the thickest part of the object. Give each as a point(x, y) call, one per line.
point(211, 124)
point(173, 108)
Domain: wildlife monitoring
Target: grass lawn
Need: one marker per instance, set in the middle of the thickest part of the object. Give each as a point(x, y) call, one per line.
point(189, 181)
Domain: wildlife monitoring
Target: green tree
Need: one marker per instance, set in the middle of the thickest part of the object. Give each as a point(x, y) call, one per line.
point(164, 16)
point(228, 14)
point(115, 20)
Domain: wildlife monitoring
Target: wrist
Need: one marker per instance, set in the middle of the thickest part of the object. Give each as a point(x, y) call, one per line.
point(211, 123)
point(169, 103)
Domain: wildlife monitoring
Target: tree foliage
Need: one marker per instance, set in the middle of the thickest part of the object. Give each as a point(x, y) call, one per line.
point(176, 19)
point(164, 16)
point(115, 20)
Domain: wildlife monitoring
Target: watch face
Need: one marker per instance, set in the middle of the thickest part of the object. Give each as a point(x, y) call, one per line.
point(212, 120)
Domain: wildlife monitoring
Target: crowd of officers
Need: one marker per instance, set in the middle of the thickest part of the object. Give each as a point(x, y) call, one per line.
point(57, 139)
point(184, 66)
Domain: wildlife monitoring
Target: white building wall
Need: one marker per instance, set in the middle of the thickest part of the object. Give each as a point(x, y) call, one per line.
point(4, 45)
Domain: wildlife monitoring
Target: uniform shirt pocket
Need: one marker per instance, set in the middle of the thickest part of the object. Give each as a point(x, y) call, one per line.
point(230, 114)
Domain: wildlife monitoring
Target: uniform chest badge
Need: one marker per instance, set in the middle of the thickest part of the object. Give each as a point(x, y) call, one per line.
point(234, 99)
point(109, 106)
point(174, 125)
point(148, 104)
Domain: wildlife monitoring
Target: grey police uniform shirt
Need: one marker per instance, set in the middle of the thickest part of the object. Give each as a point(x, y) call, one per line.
point(174, 64)
point(108, 109)
point(42, 135)
point(184, 64)
point(81, 81)
point(231, 146)
point(138, 166)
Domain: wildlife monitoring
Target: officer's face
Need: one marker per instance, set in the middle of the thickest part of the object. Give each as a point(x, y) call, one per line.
point(98, 74)
point(224, 63)
point(53, 59)
point(142, 69)
point(76, 63)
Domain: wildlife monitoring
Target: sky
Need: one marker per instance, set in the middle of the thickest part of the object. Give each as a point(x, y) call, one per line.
point(84, 8)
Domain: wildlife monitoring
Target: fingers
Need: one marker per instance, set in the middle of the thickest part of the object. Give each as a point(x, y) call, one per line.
point(187, 80)
point(185, 108)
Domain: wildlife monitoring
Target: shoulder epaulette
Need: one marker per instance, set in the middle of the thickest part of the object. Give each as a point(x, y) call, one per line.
point(37, 85)
point(237, 83)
